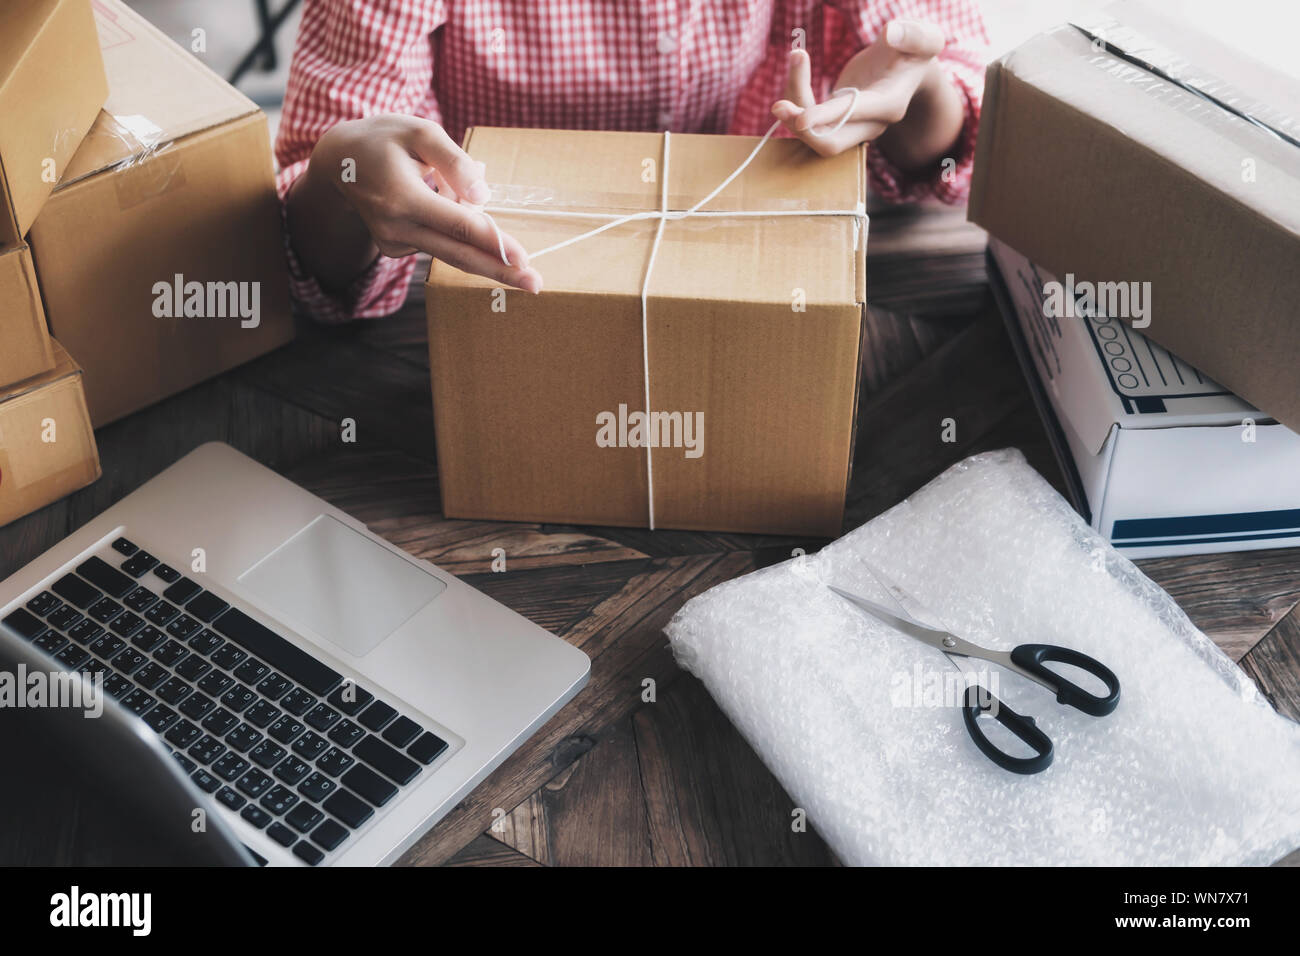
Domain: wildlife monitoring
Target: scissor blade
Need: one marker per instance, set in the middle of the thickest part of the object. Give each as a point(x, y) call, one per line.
point(908, 625)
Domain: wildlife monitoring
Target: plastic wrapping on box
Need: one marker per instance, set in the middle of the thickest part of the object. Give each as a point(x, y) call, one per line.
point(1194, 766)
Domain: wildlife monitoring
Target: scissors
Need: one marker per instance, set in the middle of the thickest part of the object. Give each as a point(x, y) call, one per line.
point(1025, 660)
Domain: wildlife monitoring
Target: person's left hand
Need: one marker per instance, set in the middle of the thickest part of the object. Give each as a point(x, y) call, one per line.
point(888, 74)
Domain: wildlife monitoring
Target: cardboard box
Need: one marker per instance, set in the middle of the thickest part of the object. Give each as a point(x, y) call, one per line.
point(1143, 148)
point(160, 254)
point(1159, 459)
point(27, 350)
point(47, 448)
point(753, 329)
point(51, 88)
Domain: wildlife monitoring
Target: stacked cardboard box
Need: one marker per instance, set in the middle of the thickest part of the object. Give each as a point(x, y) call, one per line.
point(52, 86)
point(1147, 158)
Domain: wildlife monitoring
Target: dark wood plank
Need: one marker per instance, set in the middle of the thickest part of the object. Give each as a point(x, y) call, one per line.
point(1274, 663)
point(485, 851)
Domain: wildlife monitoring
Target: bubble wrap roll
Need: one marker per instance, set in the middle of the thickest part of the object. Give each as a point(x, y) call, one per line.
point(857, 722)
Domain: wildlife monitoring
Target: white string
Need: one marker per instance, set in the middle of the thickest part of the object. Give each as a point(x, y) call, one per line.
point(662, 215)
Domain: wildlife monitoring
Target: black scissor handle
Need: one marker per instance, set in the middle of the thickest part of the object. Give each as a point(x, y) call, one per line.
point(1023, 727)
point(1031, 657)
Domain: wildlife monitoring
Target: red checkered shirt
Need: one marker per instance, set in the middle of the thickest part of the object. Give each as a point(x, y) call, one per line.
point(700, 66)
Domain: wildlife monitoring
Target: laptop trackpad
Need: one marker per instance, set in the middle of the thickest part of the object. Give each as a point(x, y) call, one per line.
point(340, 584)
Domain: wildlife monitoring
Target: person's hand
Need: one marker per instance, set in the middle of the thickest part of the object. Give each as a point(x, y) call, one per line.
point(417, 191)
point(904, 99)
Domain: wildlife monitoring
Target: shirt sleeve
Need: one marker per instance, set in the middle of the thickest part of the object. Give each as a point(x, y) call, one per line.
point(963, 59)
point(354, 59)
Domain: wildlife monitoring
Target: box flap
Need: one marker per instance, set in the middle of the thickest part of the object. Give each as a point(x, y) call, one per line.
point(158, 93)
point(64, 366)
point(744, 258)
point(26, 347)
point(51, 88)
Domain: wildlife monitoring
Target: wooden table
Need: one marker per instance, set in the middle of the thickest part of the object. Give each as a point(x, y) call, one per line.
point(614, 779)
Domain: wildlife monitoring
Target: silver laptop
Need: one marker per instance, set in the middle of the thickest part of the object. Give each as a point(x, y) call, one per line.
point(326, 695)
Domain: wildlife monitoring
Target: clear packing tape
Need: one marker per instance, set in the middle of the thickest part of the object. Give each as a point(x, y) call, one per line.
point(1193, 768)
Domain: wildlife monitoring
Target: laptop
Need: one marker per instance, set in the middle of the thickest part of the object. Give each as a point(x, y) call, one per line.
point(320, 695)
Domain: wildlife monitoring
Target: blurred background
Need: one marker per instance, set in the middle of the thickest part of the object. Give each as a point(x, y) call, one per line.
point(251, 41)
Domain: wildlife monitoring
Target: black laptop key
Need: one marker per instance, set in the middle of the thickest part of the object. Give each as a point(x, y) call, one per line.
point(45, 602)
point(376, 715)
point(401, 731)
point(219, 722)
point(298, 702)
point(261, 713)
point(150, 676)
point(104, 610)
point(292, 770)
point(348, 808)
point(317, 787)
point(197, 705)
point(251, 671)
point(181, 590)
point(303, 817)
point(71, 657)
point(139, 563)
point(105, 577)
point(281, 834)
point(167, 573)
point(115, 685)
point(129, 661)
point(64, 618)
point(85, 632)
point(369, 784)
point(228, 657)
point(189, 765)
point(170, 653)
point(254, 784)
point(125, 547)
point(334, 762)
point(106, 646)
point(162, 613)
point(183, 734)
point(350, 698)
point(51, 642)
point(205, 642)
point(205, 606)
point(137, 702)
point(292, 661)
point(205, 781)
point(310, 854)
point(126, 623)
point(75, 591)
point(238, 697)
point(347, 732)
point(279, 799)
point(193, 667)
point(329, 835)
point(285, 729)
point(255, 816)
point(207, 749)
point(27, 624)
point(230, 766)
point(310, 745)
point(243, 737)
point(184, 627)
point(160, 718)
point(140, 599)
point(174, 690)
point(386, 760)
point(148, 637)
point(322, 716)
point(229, 798)
point(267, 754)
point(273, 686)
point(215, 683)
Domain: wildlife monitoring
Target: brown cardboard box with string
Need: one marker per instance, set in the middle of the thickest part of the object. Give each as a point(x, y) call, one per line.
point(679, 370)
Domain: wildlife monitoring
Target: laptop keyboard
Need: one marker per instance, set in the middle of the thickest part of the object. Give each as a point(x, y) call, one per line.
point(272, 733)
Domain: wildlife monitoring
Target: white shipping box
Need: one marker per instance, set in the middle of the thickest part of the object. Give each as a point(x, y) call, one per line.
point(1165, 460)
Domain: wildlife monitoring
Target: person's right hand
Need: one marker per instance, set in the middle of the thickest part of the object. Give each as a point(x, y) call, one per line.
point(417, 191)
